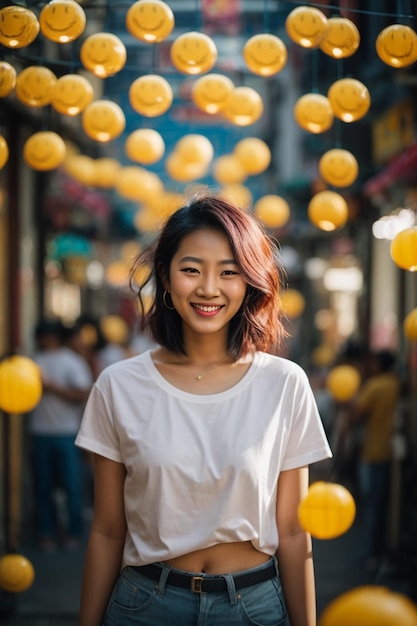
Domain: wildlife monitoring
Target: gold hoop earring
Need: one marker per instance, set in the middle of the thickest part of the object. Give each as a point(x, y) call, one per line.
point(164, 300)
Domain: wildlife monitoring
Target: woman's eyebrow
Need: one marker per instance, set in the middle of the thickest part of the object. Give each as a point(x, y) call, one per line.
point(194, 259)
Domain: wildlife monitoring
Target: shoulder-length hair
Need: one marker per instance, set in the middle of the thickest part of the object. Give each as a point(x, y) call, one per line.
point(258, 323)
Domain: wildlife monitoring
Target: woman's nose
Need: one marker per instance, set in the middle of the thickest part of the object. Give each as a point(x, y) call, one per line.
point(208, 286)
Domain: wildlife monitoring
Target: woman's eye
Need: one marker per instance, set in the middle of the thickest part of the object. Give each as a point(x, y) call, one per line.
point(230, 273)
point(190, 270)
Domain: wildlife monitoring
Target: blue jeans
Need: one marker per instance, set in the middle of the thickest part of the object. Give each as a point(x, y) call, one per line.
point(140, 601)
point(57, 461)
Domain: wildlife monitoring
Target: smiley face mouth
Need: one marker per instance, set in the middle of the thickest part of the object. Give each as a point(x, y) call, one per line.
point(148, 27)
point(55, 29)
point(13, 35)
point(406, 55)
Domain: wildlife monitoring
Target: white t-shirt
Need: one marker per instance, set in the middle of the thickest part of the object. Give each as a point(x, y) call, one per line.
point(54, 415)
point(202, 469)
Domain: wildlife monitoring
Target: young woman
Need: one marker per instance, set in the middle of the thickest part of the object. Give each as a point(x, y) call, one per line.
point(202, 446)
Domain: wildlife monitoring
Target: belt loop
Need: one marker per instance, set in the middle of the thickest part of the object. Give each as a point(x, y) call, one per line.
point(231, 589)
point(165, 571)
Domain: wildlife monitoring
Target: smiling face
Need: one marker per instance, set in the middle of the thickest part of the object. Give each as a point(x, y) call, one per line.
point(193, 53)
point(34, 86)
point(245, 106)
point(71, 94)
point(104, 54)
point(103, 120)
point(349, 98)
point(205, 283)
point(44, 150)
point(150, 95)
point(306, 26)
point(396, 45)
point(211, 93)
point(150, 20)
point(265, 54)
point(314, 113)
point(7, 78)
point(338, 167)
point(342, 38)
point(62, 20)
point(18, 27)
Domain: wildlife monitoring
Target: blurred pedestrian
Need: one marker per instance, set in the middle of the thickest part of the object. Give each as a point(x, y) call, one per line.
point(374, 409)
point(53, 424)
point(202, 445)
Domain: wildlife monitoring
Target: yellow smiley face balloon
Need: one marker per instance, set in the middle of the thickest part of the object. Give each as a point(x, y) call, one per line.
point(265, 54)
point(7, 78)
point(103, 54)
point(44, 150)
point(211, 93)
point(342, 38)
point(314, 113)
point(145, 145)
point(150, 95)
point(71, 94)
point(193, 53)
point(103, 120)
point(4, 152)
point(338, 167)
point(245, 106)
point(349, 98)
point(396, 45)
point(150, 20)
point(306, 26)
point(328, 210)
point(62, 20)
point(34, 86)
point(18, 27)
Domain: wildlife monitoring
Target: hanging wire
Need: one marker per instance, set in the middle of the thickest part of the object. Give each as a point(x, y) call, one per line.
point(266, 17)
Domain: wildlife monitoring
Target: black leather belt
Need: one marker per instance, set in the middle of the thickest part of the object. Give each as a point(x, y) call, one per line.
point(206, 583)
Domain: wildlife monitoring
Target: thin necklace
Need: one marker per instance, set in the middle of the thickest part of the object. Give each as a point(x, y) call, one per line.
point(211, 369)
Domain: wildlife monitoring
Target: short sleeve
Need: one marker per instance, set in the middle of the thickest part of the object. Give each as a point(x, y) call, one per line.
point(307, 442)
point(98, 432)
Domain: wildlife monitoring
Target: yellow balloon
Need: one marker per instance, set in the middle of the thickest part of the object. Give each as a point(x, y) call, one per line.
point(194, 148)
point(314, 113)
point(150, 20)
point(410, 325)
point(211, 93)
point(7, 78)
point(18, 26)
point(272, 210)
point(44, 150)
point(103, 120)
point(370, 605)
point(265, 54)
point(106, 172)
point(183, 171)
point(327, 511)
point(114, 329)
point(16, 573)
point(292, 303)
point(103, 54)
point(4, 152)
point(228, 170)
point(403, 249)
point(396, 45)
point(20, 384)
point(343, 382)
point(328, 210)
point(82, 168)
point(338, 167)
point(245, 106)
point(349, 98)
point(71, 94)
point(306, 26)
point(62, 20)
point(238, 194)
point(145, 145)
point(146, 220)
point(254, 154)
point(150, 95)
point(35, 85)
point(342, 38)
point(193, 53)
point(138, 184)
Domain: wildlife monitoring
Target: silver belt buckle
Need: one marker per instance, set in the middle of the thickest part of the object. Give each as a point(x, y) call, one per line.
point(196, 584)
